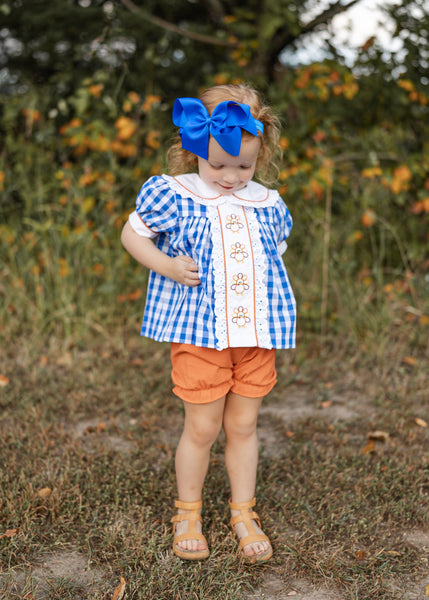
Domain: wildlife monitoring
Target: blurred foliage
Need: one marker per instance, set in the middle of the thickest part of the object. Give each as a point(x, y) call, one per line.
point(354, 173)
point(154, 45)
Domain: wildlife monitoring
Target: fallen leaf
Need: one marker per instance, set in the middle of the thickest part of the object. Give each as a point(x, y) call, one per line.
point(119, 592)
point(135, 295)
point(427, 591)
point(136, 362)
point(9, 533)
point(409, 360)
point(99, 428)
point(360, 554)
point(44, 492)
point(3, 381)
point(421, 422)
point(394, 553)
point(65, 360)
point(325, 404)
point(369, 448)
point(378, 436)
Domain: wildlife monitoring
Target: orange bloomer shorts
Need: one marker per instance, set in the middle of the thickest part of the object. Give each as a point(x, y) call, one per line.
point(202, 375)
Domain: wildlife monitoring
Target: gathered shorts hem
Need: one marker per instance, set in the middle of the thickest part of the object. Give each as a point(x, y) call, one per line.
point(203, 375)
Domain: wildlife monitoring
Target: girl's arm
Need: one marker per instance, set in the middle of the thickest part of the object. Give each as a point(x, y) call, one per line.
point(181, 269)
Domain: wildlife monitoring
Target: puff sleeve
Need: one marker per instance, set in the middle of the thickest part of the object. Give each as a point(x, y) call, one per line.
point(283, 224)
point(156, 209)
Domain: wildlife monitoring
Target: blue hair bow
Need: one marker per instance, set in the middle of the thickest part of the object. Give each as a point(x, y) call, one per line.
point(225, 125)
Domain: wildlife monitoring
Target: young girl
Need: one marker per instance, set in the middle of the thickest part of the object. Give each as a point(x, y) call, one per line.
point(219, 292)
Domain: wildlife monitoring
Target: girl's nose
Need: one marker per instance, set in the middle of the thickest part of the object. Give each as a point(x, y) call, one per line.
point(230, 176)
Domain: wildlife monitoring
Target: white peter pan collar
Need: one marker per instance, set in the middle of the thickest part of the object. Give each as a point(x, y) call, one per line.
point(192, 186)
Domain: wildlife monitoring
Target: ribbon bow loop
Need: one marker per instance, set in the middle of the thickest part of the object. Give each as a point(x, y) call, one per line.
point(225, 125)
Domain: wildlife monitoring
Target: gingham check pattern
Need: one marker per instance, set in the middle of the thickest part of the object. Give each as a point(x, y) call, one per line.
point(177, 313)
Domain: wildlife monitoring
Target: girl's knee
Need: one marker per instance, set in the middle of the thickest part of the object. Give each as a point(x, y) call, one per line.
point(203, 422)
point(239, 425)
point(202, 432)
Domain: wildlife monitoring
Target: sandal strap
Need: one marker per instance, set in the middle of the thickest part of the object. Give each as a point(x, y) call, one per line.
point(247, 519)
point(188, 505)
point(251, 539)
point(246, 515)
point(191, 516)
point(190, 535)
point(242, 505)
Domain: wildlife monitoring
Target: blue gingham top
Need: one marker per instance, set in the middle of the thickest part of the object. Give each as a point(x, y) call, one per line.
point(185, 216)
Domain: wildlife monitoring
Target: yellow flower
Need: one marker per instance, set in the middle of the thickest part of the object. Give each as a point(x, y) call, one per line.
point(316, 188)
point(156, 169)
point(86, 179)
point(368, 218)
point(126, 127)
point(152, 140)
point(31, 114)
point(150, 100)
point(401, 177)
point(96, 89)
point(88, 204)
point(124, 150)
point(406, 84)
point(133, 97)
point(284, 143)
point(75, 123)
point(372, 172)
point(109, 177)
point(98, 268)
point(64, 268)
point(100, 144)
point(221, 79)
point(127, 106)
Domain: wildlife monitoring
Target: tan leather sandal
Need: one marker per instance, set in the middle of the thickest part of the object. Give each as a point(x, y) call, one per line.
point(192, 515)
point(246, 516)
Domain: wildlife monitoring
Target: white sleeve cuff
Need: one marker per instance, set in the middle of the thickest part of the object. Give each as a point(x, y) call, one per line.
point(139, 227)
point(282, 247)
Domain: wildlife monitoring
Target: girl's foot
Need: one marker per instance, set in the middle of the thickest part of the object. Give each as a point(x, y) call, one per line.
point(189, 543)
point(254, 544)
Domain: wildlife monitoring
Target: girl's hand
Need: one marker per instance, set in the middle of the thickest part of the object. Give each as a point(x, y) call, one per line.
point(185, 271)
point(181, 269)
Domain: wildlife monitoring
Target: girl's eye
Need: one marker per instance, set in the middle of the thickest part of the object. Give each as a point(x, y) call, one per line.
point(215, 166)
point(245, 166)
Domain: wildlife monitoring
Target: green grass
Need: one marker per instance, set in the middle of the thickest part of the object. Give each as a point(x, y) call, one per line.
point(98, 426)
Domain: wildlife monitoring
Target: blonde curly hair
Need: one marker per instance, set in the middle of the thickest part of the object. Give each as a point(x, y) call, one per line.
point(181, 161)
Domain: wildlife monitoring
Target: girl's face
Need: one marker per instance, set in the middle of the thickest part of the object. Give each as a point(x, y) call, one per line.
point(228, 174)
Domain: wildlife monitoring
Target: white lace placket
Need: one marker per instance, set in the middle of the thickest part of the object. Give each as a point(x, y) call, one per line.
point(239, 267)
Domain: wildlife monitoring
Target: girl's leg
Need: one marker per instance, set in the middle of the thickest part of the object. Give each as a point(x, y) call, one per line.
point(241, 457)
point(201, 428)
